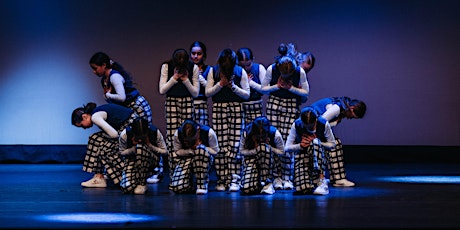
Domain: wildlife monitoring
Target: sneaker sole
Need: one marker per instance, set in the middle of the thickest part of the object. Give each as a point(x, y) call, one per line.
point(342, 185)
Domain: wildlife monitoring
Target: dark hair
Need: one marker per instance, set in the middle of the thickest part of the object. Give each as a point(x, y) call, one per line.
point(286, 50)
point(244, 53)
point(258, 129)
point(227, 61)
point(188, 133)
point(359, 107)
point(140, 127)
point(301, 57)
point(286, 65)
point(180, 59)
point(77, 114)
point(308, 115)
point(101, 58)
point(201, 45)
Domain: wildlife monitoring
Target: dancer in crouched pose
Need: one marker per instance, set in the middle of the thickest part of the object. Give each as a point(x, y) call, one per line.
point(307, 139)
point(333, 110)
point(102, 151)
point(141, 145)
point(259, 142)
point(194, 147)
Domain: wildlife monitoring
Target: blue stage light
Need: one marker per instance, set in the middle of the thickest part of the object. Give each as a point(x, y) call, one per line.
point(423, 179)
point(99, 218)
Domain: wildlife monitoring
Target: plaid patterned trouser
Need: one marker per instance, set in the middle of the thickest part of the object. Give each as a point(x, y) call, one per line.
point(190, 170)
point(335, 162)
point(282, 112)
point(252, 110)
point(308, 164)
point(137, 168)
point(256, 169)
point(227, 121)
point(201, 112)
point(142, 107)
point(102, 153)
point(178, 109)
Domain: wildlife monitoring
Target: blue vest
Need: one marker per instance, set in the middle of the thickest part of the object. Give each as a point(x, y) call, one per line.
point(342, 102)
point(300, 130)
point(271, 134)
point(179, 89)
point(284, 93)
point(204, 135)
point(255, 95)
point(131, 92)
point(152, 135)
point(201, 94)
point(226, 94)
point(116, 114)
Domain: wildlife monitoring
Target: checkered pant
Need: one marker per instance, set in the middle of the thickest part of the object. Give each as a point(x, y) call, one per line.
point(257, 169)
point(282, 112)
point(335, 162)
point(252, 110)
point(178, 109)
point(308, 164)
point(102, 153)
point(227, 121)
point(138, 167)
point(189, 167)
point(142, 107)
point(201, 112)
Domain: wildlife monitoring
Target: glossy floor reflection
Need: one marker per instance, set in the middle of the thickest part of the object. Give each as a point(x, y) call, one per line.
point(386, 196)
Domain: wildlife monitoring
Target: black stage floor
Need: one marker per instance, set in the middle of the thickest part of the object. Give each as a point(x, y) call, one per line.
point(391, 195)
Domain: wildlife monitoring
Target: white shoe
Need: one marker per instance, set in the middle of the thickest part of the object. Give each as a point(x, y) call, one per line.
point(140, 190)
point(287, 185)
point(278, 183)
point(322, 188)
point(154, 179)
point(268, 189)
point(343, 183)
point(234, 187)
point(201, 191)
point(220, 188)
point(94, 182)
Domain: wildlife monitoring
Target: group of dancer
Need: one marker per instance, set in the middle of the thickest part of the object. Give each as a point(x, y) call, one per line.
point(254, 147)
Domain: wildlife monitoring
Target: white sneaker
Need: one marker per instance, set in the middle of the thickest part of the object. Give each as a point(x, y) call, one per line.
point(268, 189)
point(94, 182)
point(278, 183)
point(234, 187)
point(201, 191)
point(140, 190)
point(287, 185)
point(343, 183)
point(220, 188)
point(153, 179)
point(322, 188)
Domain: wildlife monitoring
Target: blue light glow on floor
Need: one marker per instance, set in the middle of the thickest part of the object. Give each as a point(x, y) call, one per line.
point(103, 218)
point(423, 179)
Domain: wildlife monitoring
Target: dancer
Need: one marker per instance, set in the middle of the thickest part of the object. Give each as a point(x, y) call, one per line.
point(253, 107)
point(287, 86)
point(333, 110)
point(198, 56)
point(194, 145)
point(228, 86)
point(260, 141)
point(307, 141)
point(141, 145)
point(179, 82)
point(102, 151)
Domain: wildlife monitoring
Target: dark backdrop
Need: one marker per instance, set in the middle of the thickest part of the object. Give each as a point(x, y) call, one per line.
point(399, 56)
